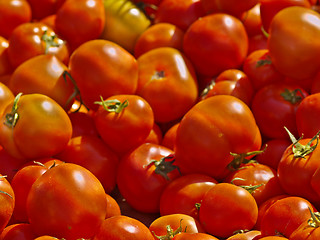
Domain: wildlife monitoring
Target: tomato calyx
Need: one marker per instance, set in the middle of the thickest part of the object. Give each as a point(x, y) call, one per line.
point(207, 89)
point(144, 6)
point(113, 105)
point(314, 221)
point(3, 192)
point(50, 40)
point(163, 166)
point(13, 116)
point(158, 75)
point(170, 233)
point(263, 62)
point(292, 96)
point(299, 150)
point(249, 188)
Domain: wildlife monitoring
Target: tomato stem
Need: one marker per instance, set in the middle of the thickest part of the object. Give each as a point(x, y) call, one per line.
point(113, 105)
point(170, 233)
point(13, 116)
point(3, 192)
point(314, 221)
point(50, 41)
point(292, 96)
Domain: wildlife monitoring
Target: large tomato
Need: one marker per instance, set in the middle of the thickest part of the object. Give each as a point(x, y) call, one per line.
point(210, 131)
point(67, 201)
point(287, 45)
point(215, 43)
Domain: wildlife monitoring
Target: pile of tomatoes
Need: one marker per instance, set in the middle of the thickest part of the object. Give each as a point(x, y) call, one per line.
point(159, 119)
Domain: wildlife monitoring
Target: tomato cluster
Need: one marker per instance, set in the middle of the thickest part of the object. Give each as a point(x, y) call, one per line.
point(159, 119)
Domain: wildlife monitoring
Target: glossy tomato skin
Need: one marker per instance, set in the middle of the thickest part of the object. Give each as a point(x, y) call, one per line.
point(194, 236)
point(247, 235)
point(286, 45)
point(216, 42)
point(7, 202)
point(41, 9)
point(167, 81)
point(137, 179)
point(5, 65)
point(251, 20)
point(103, 68)
point(30, 137)
point(6, 97)
point(32, 39)
point(81, 217)
point(18, 231)
point(123, 227)
point(227, 125)
point(223, 201)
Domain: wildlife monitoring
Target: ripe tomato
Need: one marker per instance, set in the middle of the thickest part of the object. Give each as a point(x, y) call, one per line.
point(78, 21)
point(169, 137)
point(6, 97)
point(309, 229)
point(143, 174)
point(124, 121)
point(159, 35)
point(215, 43)
point(287, 45)
point(5, 65)
point(43, 8)
point(46, 237)
point(257, 42)
point(246, 235)
point(29, 77)
point(184, 193)
point(123, 227)
point(103, 68)
point(167, 82)
point(34, 126)
point(18, 231)
point(155, 135)
point(124, 23)
point(193, 236)
point(227, 208)
point(67, 201)
point(32, 39)
point(12, 14)
point(113, 208)
point(7, 202)
point(251, 20)
point(210, 131)
point(82, 124)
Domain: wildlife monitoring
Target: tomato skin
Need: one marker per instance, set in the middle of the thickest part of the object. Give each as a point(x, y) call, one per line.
point(286, 45)
point(18, 231)
point(26, 41)
point(309, 229)
point(251, 20)
point(74, 208)
point(169, 137)
point(226, 208)
point(5, 65)
point(175, 90)
point(6, 97)
point(7, 202)
point(249, 235)
point(194, 236)
point(43, 8)
point(13, 13)
point(113, 208)
point(216, 42)
point(31, 138)
point(103, 68)
point(123, 227)
point(82, 124)
point(210, 119)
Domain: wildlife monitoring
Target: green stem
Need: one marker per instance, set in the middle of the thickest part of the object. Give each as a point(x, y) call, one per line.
point(113, 105)
point(13, 116)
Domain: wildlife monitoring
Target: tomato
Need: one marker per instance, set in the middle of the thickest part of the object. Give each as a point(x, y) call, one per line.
point(113, 208)
point(123, 227)
point(34, 126)
point(18, 231)
point(251, 20)
point(215, 43)
point(124, 23)
point(246, 235)
point(46, 237)
point(124, 121)
point(287, 45)
point(9, 164)
point(93, 154)
point(274, 107)
point(43, 8)
point(5, 65)
point(32, 39)
point(50, 21)
point(173, 224)
point(13, 13)
point(307, 115)
point(67, 201)
point(269, 8)
point(78, 21)
point(183, 194)
point(284, 216)
point(82, 124)
point(257, 42)
point(169, 137)
point(167, 82)
point(7, 202)
point(227, 208)
point(260, 69)
point(194, 236)
point(210, 131)
point(144, 173)
point(155, 135)
point(159, 35)
point(181, 13)
point(230, 82)
point(273, 238)
point(309, 229)
point(6, 97)
point(28, 78)
point(297, 167)
point(103, 68)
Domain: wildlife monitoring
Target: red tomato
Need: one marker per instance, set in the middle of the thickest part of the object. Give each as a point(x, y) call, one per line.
point(309, 229)
point(7, 202)
point(246, 235)
point(67, 201)
point(193, 236)
point(184, 193)
point(124, 121)
point(43, 8)
point(103, 68)
point(34, 126)
point(257, 42)
point(210, 131)
point(50, 21)
point(123, 227)
point(78, 21)
point(113, 208)
point(159, 35)
point(166, 76)
point(251, 20)
point(169, 137)
point(6, 97)
point(287, 45)
point(82, 124)
point(227, 208)
point(32, 39)
point(181, 13)
point(5, 65)
point(215, 43)
point(18, 231)
point(12, 14)
point(155, 135)
point(143, 174)
point(93, 154)
point(46, 237)
point(307, 116)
